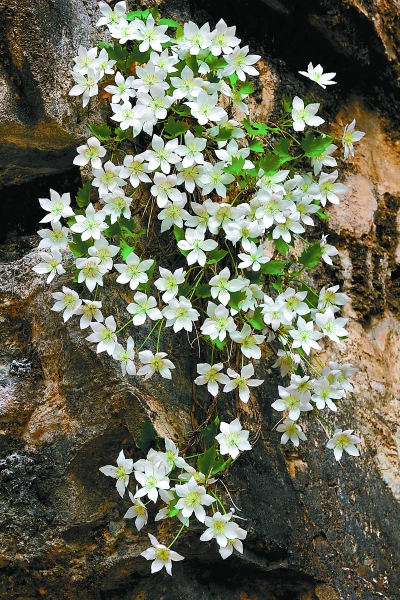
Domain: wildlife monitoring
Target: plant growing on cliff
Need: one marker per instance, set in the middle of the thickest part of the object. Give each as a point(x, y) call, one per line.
point(173, 156)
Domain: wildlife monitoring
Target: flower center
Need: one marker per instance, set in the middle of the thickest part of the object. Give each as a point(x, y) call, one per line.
point(292, 402)
point(120, 472)
point(219, 526)
point(69, 301)
point(162, 554)
point(90, 270)
point(156, 363)
point(193, 499)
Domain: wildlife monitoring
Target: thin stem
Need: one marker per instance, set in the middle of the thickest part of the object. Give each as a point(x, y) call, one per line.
point(232, 258)
point(123, 327)
point(179, 532)
point(159, 334)
point(152, 329)
point(219, 502)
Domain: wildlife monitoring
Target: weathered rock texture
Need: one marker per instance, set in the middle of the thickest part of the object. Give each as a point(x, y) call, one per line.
point(317, 530)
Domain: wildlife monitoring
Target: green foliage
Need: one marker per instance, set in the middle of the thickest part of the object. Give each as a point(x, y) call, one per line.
point(83, 196)
point(174, 128)
point(147, 437)
point(256, 320)
point(281, 246)
point(273, 267)
point(208, 434)
point(79, 248)
point(216, 255)
point(311, 256)
point(205, 461)
point(236, 167)
point(314, 146)
point(102, 132)
point(126, 249)
point(203, 290)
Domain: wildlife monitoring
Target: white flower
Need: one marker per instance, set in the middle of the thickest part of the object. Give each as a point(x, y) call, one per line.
point(292, 223)
point(273, 312)
point(294, 304)
point(117, 204)
point(128, 116)
point(196, 245)
point(91, 225)
point(192, 150)
point(168, 282)
point(219, 322)
point(187, 85)
point(89, 310)
point(221, 286)
point(327, 250)
point(134, 271)
point(221, 213)
point(272, 183)
point(345, 371)
point(211, 376)
point(239, 62)
point(108, 178)
point(331, 327)
point(155, 363)
point(325, 393)
point(195, 38)
point(232, 151)
point(254, 259)
point(214, 178)
point(91, 152)
point(143, 307)
point(151, 36)
point(242, 382)
point(350, 137)
point(316, 74)
point(51, 265)
point(331, 297)
point(232, 438)
point(324, 159)
point(189, 176)
point(286, 362)
point(343, 440)
point(138, 511)
point(104, 335)
point(248, 341)
point(292, 401)
point(157, 103)
point(291, 431)
point(150, 75)
point(105, 251)
point(201, 216)
point(232, 543)
point(152, 479)
point(85, 59)
point(161, 555)
point(162, 155)
point(86, 85)
point(192, 497)
point(242, 230)
point(164, 61)
point(173, 214)
point(90, 271)
point(303, 116)
point(329, 189)
point(68, 301)
point(103, 65)
point(136, 169)
point(219, 527)
point(120, 473)
point(124, 31)
point(304, 336)
point(180, 314)
point(172, 455)
point(164, 189)
point(125, 357)
point(57, 207)
point(123, 90)
point(205, 108)
point(111, 16)
point(223, 39)
point(55, 239)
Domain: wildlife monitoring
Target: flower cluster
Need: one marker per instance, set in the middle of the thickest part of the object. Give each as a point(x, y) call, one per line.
point(236, 198)
point(189, 499)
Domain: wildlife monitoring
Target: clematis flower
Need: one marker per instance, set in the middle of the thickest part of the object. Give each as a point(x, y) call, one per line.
point(211, 376)
point(219, 322)
point(192, 499)
point(91, 152)
point(104, 335)
point(57, 207)
point(120, 473)
point(316, 74)
point(133, 272)
point(350, 137)
point(111, 16)
point(161, 555)
point(180, 314)
point(292, 401)
point(164, 189)
point(143, 307)
point(68, 301)
point(303, 116)
point(344, 440)
point(196, 245)
point(138, 511)
point(155, 363)
point(305, 336)
point(205, 108)
point(240, 61)
point(232, 438)
point(125, 356)
point(249, 342)
point(168, 282)
point(291, 431)
point(105, 251)
point(152, 479)
point(91, 224)
point(91, 271)
point(51, 265)
point(233, 543)
point(328, 188)
point(55, 239)
point(90, 309)
point(151, 36)
point(219, 527)
point(122, 90)
point(223, 39)
point(242, 382)
point(86, 85)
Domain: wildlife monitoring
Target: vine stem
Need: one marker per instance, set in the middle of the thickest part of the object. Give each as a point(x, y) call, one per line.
point(179, 532)
point(123, 327)
point(159, 333)
point(219, 502)
point(152, 329)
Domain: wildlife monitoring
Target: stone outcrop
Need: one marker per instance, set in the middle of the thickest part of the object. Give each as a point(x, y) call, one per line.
point(318, 530)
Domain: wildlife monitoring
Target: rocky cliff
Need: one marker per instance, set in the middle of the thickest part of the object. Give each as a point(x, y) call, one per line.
point(318, 530)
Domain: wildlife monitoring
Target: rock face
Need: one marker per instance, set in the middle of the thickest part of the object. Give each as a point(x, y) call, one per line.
point(317, 530)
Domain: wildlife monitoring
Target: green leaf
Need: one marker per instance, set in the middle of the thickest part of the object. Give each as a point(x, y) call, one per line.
point(147, 437)
point(122, 134)
point(169, 22)
point(236, 298)
point(79, 248)
point(206, 461)
point(102, 132)
point(114, 229)
point(150, 272)
point(175, 128)
point(282, 149)
point(281, 246)
point(172, 512)
point(216, 342)
point(273, 267)
point(127, 226)
point(314, 146)
point(254, 128)
point(191, 62)
point(126, 250)
point(208, 434)
point(287, 103)
point(256, 146)
point(311, 256)
point(256, 320)
point(270, 163)
point(236, 167)
point(137, 14)
point(215, 62)
point(183, 111)
point(138, 57)
point(115, 51)
point(179, 233)
point(155, 13)
point(233, 79)
point(216, 255)
point(247, 87)
point(322, 215)
point(83, 196)
point(312, 298)
point(184, 289)
point(203, 290)
point(220, 465)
